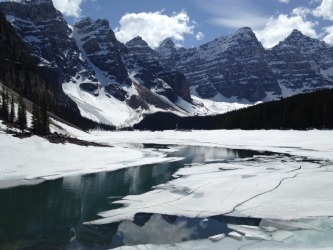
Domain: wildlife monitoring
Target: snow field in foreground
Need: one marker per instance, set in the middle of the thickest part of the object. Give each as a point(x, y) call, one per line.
point(34, 159)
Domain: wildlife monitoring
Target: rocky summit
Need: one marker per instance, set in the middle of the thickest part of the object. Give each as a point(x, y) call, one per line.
point(167, 82)
point(302, 64)
point(239, 66)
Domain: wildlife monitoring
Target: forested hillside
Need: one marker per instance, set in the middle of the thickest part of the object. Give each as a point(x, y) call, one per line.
point(304, 111)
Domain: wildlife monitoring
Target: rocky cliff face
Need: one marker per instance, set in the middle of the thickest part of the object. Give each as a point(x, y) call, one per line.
point(103, 51)
point(169, 53)
point(302, 64)
point(20, 72)
point(18, 69)
point(101, 48)
point(154, 75)
point(238, 66)
point(45, 30)
point(91, 66)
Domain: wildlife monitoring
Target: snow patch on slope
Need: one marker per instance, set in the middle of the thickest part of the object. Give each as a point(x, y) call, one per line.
point(101, 108)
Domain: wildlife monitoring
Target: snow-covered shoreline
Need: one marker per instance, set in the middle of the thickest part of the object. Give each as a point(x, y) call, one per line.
point(311, 143)
point(34, 159)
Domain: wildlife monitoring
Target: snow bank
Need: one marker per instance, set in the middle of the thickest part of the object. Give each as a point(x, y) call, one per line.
point(31, 160)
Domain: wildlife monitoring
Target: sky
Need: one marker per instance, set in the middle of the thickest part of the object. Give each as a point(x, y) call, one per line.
point(194, 22)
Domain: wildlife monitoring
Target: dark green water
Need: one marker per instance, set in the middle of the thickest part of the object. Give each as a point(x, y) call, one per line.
point(50, 215)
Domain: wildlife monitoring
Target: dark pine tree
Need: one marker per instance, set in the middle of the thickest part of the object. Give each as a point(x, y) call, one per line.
point(4, 105)
point(1, 106)
point(40, 118)
point(12, 111)
point(22, 115)
point(36, 120)
point(44, 118)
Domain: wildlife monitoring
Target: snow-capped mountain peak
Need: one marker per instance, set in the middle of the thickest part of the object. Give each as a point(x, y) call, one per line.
point(167, 42)
point(141, 49)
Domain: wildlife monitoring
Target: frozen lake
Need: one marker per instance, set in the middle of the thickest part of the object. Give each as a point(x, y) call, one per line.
point(51, 215)
point(204, 193)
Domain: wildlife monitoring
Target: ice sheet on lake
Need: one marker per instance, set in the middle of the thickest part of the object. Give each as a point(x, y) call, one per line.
point(270, 188)
point(292, 195)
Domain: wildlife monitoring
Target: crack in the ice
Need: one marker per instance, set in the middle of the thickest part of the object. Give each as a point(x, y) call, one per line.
point(250, 244)
point(294, 170)
point(231, 191)
point(268, 191)
point(250, 208)
point(187, 175)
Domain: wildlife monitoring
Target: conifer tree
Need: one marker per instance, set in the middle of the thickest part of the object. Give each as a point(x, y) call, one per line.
point(45, 124)
point(4, 105)
point(1, 106)
point(36, 119)
point(12, 111)
point(40, 118)
point(22, 115)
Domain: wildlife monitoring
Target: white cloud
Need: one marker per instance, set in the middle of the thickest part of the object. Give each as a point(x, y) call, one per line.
point(234, 14)
point(240, 20)
point(69, 7)
point(154, 27)
point(325, 10)
point(199, 36)
point(302, 11)
point(328, 38)
point(279, 28)
point(284, 1)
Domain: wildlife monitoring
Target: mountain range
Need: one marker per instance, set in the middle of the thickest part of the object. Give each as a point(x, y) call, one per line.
point(113, 83)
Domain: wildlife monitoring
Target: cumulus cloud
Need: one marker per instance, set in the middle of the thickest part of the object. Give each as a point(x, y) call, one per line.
point(279, 28)
point(302, 11)
point(154, 27)
point(284, 1)
point(305, 19)
point(325, 10)
point(69, 7)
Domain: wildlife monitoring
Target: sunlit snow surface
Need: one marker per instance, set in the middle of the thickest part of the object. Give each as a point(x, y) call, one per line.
point(32, 160)
point(108, 110)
